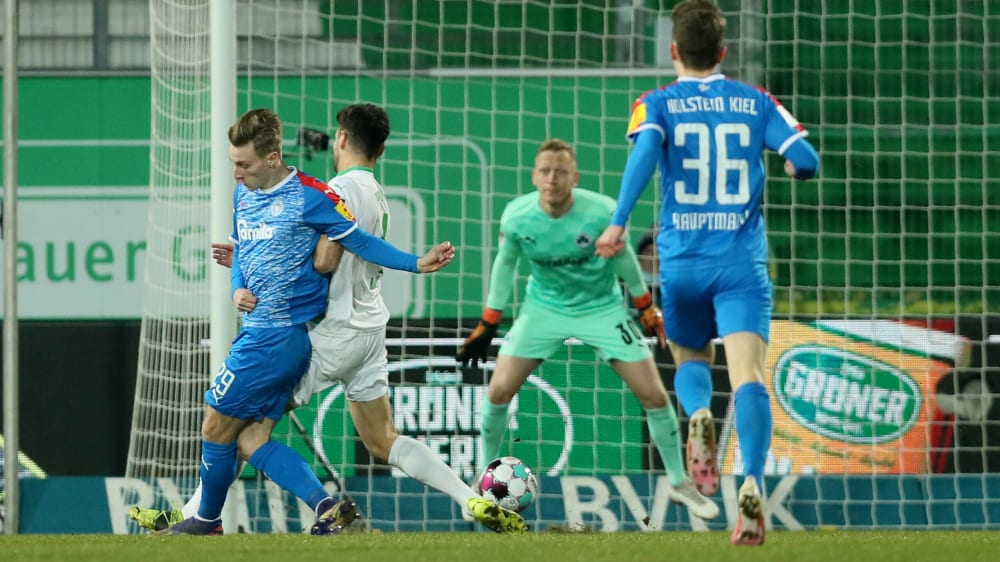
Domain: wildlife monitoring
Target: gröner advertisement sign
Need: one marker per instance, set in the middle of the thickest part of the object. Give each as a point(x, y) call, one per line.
point(846, 396)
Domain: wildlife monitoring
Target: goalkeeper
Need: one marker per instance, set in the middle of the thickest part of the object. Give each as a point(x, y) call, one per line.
point(572, 293)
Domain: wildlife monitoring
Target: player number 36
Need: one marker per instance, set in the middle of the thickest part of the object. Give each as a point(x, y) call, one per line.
point(702, 135)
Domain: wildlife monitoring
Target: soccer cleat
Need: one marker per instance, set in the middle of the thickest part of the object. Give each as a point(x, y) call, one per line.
point(702, 467)
point(698, 505)
point(477, 489)
point(750, 525)
point(494, 517)
point(154, 519)
point(336, 519)
point(193, 526)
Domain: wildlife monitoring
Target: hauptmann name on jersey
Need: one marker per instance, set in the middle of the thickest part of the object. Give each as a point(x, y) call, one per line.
point(708, 221)
point(260, 232)
point(720, 104)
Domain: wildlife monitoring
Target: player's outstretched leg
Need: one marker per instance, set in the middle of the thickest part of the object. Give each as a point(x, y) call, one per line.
point(494, 517)
point(155, 519)
point(698, 505)
point(193, 526)
point(702, 467)
point(476, 487)
point(336, 519)
point(750, 526)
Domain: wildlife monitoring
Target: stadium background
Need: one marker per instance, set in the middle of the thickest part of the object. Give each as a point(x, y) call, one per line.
point(913, 220)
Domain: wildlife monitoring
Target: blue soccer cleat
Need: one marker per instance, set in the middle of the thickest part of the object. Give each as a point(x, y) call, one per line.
point(336, 519)
point(193, 526)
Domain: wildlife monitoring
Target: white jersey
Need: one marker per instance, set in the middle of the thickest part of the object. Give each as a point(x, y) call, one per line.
point(355, 299)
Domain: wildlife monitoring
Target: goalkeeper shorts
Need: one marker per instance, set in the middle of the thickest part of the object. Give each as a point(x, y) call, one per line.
point(538, 333)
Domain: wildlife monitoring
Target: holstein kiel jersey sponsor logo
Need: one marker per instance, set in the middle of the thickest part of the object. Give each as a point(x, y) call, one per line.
point(845, 396)
point(259, 232)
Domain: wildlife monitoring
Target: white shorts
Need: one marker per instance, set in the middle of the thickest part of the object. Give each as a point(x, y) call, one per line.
point(356, 359)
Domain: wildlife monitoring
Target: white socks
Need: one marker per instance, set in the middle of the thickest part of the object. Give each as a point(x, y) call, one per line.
point(420, 463)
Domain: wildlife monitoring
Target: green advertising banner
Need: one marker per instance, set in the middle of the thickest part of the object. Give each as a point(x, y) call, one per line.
point(461, 148)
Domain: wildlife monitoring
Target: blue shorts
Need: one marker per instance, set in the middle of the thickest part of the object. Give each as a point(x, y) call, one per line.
point(257, 378)
point(701, 302)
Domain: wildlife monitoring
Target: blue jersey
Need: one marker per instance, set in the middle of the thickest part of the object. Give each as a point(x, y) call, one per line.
point(713, 132)
point(276, 230)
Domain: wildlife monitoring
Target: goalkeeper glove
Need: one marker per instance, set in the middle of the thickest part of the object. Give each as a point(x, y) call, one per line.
point(650, 317)
point(478, 343)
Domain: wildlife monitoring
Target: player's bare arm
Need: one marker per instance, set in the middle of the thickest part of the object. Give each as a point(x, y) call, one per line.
point(327, 255)
point(610, 242)
point(436, 258)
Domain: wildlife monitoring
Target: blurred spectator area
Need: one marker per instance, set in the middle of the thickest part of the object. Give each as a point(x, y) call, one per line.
point(83, 34)
point(114, 35)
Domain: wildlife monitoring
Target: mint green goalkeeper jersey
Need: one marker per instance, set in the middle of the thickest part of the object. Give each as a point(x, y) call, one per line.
point(565, 273)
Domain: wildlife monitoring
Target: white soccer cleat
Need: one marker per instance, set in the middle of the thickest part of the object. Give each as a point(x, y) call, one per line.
point(702, 467)
point(750, 526)
point(698, 505)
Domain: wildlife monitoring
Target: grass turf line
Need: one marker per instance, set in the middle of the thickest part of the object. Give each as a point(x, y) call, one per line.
point(809, 546)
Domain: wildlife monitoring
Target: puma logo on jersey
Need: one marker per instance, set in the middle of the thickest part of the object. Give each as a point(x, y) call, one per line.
point(260, 232)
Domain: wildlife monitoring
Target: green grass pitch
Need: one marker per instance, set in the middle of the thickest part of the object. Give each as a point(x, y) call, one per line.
point(837, 546)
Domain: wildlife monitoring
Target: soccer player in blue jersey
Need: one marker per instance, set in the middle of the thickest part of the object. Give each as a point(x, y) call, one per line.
point(708, 133)
point(279, 216)
point(348, 343)
point(572, 293)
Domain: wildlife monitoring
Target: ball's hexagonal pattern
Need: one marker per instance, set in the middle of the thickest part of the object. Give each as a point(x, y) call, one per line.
point(510, 483)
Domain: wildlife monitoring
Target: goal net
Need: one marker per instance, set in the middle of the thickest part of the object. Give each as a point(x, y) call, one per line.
point(173, 370)
point(884, 267)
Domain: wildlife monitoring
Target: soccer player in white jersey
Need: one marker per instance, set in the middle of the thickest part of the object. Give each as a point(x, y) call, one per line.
point(348, 342)
point(572, 293)
point(708, 134)
point(279, 215)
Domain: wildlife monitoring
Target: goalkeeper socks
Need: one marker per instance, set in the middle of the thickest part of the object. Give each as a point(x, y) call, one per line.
point(664, 432)
point(218, 469)
point(287, 469)
point(420, 463)
point(693, 386)
point(190, 509)
point(494, 426)
point(753, 428)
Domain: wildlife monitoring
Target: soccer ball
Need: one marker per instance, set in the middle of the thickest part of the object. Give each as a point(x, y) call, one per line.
point(510, 483)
